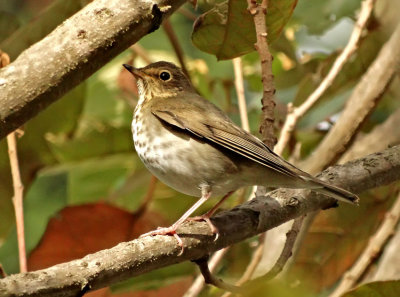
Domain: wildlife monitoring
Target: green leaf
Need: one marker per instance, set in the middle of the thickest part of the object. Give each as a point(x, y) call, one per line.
point(319, 15)
point(47, 195)
point(227, 30)
point(376, 289)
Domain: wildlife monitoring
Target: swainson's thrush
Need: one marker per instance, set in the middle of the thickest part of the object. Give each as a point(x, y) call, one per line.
point(192, 146)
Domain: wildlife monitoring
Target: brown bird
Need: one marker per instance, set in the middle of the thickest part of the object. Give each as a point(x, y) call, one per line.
point(192, 146)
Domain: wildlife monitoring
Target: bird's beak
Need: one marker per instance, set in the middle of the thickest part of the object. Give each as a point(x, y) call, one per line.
point(136, 72)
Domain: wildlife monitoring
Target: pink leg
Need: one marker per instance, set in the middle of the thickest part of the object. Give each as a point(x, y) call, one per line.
point(206, 193)
point(206, 217)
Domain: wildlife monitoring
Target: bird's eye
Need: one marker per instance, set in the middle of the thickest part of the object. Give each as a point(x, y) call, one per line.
point(165, 75)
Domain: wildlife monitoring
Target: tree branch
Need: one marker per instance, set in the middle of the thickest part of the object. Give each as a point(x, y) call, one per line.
point(209, 278)
point(199, 282)
point(142, 255)
point(72, 52)
point(258, 11)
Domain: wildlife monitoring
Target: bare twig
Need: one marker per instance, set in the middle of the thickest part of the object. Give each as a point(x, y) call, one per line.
point(237, 67)
point(285, 255)
point(142, 255)
point(209, 278)
point(17, 199)
point(251, 267)
point(141, 52)
point(374, 247)
point(388, 267)
point(17, 184)
point(295, 113)
point(258, 11)
point(149, 196)
point(187, 13)
point(257, 255)
point(169, 30)
point(199, 283)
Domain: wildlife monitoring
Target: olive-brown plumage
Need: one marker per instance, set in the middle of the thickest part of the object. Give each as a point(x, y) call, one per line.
point(192, 146)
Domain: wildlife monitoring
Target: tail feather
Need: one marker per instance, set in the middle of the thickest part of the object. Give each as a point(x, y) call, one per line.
point(334, 192)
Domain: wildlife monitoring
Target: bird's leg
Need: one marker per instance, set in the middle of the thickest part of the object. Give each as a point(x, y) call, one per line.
point(206, 217)
point(205, 194)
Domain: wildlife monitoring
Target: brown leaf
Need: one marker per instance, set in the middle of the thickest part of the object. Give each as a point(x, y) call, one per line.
point(79, 230)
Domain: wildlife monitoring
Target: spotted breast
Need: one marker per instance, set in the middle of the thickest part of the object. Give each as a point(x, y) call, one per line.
point(171, 156)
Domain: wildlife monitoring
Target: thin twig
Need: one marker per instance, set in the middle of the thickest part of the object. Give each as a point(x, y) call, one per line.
point(199, 283)
point(209, 278)
point(141, 52)
point(373, 249)
point(285, 255)
point(169, 30)
point(251, 267)
point(295, 113)
point(17, 184)
point(17, 199)
point(258, 11)
point(187, 13)
point(148, 198)
point(237, 67)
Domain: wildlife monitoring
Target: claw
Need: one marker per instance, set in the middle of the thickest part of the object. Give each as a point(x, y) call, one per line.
point(206, 218)
point(167, 231)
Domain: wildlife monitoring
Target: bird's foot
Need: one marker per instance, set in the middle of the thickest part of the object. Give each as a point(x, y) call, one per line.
point(206, 217)
point(167, 231)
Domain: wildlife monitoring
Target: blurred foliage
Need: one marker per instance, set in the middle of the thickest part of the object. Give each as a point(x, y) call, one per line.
point(376, 289)
point(82, 176)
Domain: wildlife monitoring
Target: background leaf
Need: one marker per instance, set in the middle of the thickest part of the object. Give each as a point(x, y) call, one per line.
point(227, 30)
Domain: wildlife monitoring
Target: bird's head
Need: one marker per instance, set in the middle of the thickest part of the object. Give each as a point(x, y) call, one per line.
point(160, 79)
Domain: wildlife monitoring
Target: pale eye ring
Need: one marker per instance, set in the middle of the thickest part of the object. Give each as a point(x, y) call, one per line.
point(165, 75)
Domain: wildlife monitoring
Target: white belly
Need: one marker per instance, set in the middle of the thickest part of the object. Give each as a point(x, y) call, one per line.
point(182, 163)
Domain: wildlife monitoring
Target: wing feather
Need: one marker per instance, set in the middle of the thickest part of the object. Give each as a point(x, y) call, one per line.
point(221, 132)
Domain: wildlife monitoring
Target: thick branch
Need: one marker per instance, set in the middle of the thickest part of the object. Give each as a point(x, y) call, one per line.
point(40, 26)
point(146, 254)
point(72, 52)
